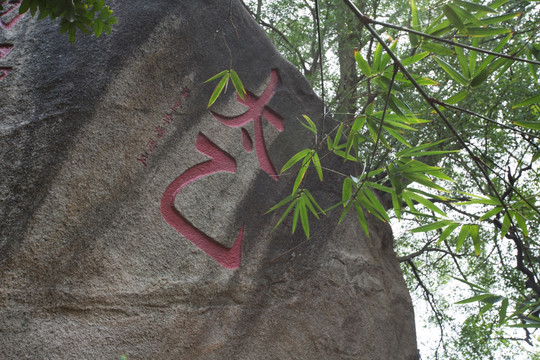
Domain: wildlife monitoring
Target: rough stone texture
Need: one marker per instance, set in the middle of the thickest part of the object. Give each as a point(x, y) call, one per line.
point(89, 268)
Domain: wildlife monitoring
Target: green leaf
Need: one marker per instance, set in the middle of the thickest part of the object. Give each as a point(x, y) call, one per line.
point(463, 233)
point(377, 204)
point(317, 164)
point(454, 18)
point(425, 202)
point(463, 63)
point(533, 125)
point(502, 312)
point(490, 213)
point(218, 89)
point(238, 84)
point(346, 190)
point(447, 232)
point(506, 223)
point(415, 23)
point(304, 217)
point(474, 7)
point(396, 204)
point(475, 298)
point(295, 215)
point(309, 205)
point(486, 31)
point(436, 48)
point(454, 99)
point(473, 230)
point(521, 223)
point(480, 78)
point(528, 102)
point(501, 18)
point(286, 212)
point(297, 157)
point(361, 217)
point(221, 74)
point(310, 125)
point(281, 203)
point(98, 28)
point(415, 58)
point(362, 63)
point(338, 135)
point(312, 200)
point(454, 74)
point(300, 177)
point(377, 58)
point(433, 226)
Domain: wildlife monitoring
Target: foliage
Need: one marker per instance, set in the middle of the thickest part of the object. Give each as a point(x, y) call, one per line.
point(445, 123)
point(86, 15)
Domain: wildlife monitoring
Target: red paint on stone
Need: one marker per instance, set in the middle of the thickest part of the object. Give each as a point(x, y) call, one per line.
point(4, 71)
point(5, 49)
point(219, 161)
point(11, 23)
point(246, 141)
point(257, 110)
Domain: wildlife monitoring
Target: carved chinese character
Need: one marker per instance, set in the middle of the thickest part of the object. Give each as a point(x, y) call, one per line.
point(219, 161)
point(258, 110)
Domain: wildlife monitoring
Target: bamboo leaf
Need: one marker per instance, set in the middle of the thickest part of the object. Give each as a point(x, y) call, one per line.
point(528, 102)
point(415, 58)
point(304, 217)
point(377, 58)
point(486, 31)
point(299, 177)
point(521, 223)
point(454, 74)
point(475, 298)
point(309, 205)
point(295, 215)
point(376, 204)
point(425, 202)
point(447, 232)
point(286, 212)
point(490, 213)
point(433, 226)
point(361, 217)
point(317, 164)
point(506, 223)
point(480, 78)
point(240, 90)
point(436, 48)
point(281, 203)
point(221, 74)
point(312, 199)
point(310, 124)
point(218, 89)
point(502, 312)
point(362, 63)
point(473, 230)
point(474, 7)
point(454, 18)
point(346, 191)
point(462, 61)
point(454, 99)
point(296, 158)
point(533, 125)
point(463, 233)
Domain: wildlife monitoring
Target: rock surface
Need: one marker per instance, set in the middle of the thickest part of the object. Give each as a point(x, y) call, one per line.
point(104, 166)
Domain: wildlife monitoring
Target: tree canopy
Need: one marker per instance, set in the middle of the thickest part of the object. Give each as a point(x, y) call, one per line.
point(438, 105)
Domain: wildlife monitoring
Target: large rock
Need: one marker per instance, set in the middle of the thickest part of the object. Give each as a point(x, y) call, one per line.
point(133, 219)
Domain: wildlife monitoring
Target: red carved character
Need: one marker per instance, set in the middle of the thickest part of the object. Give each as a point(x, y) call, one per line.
point(257, 110)
point(7, 21)
point(219, 161)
